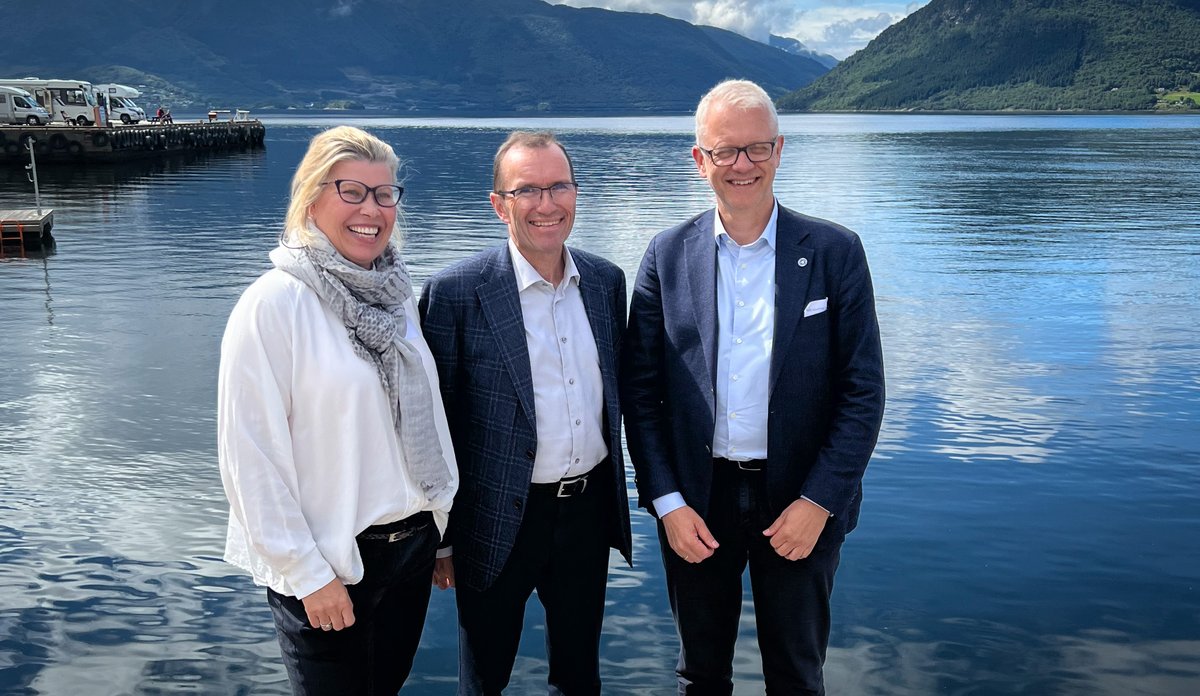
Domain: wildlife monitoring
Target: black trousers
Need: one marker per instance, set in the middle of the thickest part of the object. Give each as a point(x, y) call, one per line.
point(375, 655)
point(791, 598)
point(562, 552)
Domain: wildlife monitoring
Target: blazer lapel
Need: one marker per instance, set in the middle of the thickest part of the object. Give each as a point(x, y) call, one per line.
point(597, 305)
point(600, 318)
point(700, 263)
point(501, 306)
point(793, 271)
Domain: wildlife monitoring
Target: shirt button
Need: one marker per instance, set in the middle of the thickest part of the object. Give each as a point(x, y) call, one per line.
point(737, 340)
point(741, 303)
point(734, 378)
point(733, 416)
point(564, 339)
point(577, 421)
point(576, 460)
point(571, 381)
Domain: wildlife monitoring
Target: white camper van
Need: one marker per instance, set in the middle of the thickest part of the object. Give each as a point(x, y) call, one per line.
point(67, 100)
point(19, 107)
point(120, 103)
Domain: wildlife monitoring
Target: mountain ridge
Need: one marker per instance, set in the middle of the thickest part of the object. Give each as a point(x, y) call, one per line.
point(418, 56)
point(1038, 55)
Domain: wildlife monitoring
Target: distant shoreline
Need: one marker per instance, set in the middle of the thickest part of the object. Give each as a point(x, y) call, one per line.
point(379, 113)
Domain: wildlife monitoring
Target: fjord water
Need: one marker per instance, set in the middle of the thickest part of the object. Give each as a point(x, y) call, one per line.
point(1030, 514)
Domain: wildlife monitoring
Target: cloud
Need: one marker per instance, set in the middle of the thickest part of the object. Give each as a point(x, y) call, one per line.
point(342, 8)
point(835, 27)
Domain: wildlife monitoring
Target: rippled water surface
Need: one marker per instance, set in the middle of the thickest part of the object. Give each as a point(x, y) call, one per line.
point(1031, 511)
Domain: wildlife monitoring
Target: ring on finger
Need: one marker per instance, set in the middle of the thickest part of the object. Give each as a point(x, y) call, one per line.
point(326, 626)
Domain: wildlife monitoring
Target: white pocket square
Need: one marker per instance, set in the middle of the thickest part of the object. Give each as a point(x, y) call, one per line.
point(816, 306)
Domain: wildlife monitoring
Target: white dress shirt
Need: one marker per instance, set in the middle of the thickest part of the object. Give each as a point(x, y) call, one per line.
point(308, 453)
point(568, 394)
point(745, 335)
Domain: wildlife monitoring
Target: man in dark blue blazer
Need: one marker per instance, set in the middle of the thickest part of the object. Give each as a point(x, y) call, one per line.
point(526, 337)
point(753, 389)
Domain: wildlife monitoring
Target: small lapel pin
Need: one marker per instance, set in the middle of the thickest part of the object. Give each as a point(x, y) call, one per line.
point(802, 262)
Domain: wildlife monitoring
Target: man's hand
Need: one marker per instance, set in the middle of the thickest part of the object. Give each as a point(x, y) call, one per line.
point(795, 532)
point(443, 572)
point(330, 608)
point(688, 535)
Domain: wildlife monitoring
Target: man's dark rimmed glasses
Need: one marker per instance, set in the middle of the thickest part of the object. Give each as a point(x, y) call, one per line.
point(726, 156)
point(563, 190)
point(355, 192)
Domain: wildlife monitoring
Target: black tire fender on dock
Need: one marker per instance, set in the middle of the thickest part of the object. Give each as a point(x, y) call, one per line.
point(58, 141)
point(100, 139)
point(75, 149)
point(11, 148)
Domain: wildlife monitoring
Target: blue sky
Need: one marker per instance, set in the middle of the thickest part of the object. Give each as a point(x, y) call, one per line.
point(836, 27)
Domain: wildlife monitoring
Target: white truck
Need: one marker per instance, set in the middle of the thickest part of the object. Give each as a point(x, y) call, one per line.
point(19, 107)
point(73, 101)
point(120, 102)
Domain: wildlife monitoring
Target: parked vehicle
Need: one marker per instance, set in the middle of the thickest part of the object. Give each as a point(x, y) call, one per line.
point(73, 101)
point(120, 102)
point(19, 107)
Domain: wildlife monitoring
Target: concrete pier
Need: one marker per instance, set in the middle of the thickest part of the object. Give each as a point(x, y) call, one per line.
point(59, 143)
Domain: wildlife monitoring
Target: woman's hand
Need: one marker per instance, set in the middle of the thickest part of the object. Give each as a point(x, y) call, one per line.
point(330, 608)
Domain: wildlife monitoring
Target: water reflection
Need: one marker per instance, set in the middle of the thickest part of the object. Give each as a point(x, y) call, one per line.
point(1029, 512)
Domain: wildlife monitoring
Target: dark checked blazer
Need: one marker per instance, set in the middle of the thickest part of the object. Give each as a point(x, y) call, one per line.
point(826, 376)
point(471, 318)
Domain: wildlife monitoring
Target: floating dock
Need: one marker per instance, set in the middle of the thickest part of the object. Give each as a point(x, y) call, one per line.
point(119, 142)
point(25, 229)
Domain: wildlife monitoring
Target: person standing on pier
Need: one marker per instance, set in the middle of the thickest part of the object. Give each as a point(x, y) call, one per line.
point(753, 389)
point(526, 337)
point(334, 449)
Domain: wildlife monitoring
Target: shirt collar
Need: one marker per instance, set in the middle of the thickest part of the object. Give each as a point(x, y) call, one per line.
point(768, 233)
point(527, 275)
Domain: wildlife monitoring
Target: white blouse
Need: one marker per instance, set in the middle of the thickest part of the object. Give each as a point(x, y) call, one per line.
point(308, 453)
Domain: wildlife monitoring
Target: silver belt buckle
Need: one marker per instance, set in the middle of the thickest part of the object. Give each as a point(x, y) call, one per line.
point(397, 536)
point(562, 486)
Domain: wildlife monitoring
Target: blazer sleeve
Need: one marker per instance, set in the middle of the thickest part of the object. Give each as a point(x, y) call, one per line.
point(442, 334)
point(835, 480)
point(642, 386)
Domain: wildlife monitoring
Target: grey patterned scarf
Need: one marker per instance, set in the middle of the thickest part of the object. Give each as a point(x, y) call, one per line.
point(370, 302)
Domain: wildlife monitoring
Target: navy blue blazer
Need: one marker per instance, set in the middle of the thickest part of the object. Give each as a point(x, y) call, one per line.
point(471, 318)
point(826, 375)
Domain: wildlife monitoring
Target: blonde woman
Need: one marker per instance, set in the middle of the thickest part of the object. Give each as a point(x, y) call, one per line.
point(333, 444)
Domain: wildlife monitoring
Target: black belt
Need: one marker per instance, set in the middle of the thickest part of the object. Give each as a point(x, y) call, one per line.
point(749, 465)
point(398, 530)
point(565, 488)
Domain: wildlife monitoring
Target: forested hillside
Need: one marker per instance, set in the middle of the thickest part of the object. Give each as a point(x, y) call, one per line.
point(412, 56)
point(1022, 54)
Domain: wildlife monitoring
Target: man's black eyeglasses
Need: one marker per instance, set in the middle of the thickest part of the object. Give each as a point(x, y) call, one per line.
point(755, 152)
point(351, 191)
point(563, 190)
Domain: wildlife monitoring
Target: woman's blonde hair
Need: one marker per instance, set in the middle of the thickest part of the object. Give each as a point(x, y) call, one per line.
point(326, 149)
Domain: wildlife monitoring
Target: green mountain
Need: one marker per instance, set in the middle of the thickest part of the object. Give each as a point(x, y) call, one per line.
point(419, 56)
point(1022, 54)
